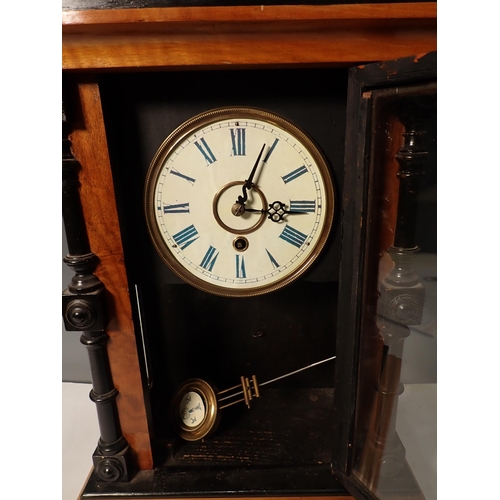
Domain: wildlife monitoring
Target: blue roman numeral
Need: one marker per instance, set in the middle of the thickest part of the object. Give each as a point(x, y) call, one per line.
point(182, 176)
point(185, 237)
point(205, 151)
point(179, 208)
point(209, 259)
point(294, 174)
point(271, 149)
point(240, 267)
point(293, 236)
point(238, 144)
point(302, 206)
point(272, 259)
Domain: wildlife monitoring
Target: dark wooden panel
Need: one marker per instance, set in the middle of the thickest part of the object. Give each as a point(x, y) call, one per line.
point(191, 333)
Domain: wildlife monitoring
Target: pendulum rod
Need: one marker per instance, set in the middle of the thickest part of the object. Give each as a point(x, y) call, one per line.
point(297, 371)
point(250, 388)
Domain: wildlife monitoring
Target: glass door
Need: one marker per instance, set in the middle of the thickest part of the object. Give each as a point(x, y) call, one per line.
point(385, 397)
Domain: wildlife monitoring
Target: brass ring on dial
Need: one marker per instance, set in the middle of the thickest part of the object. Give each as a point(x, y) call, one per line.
point(208, 393)
point(251, 229)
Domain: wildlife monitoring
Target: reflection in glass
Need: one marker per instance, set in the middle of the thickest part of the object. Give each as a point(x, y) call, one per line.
point(389, 463)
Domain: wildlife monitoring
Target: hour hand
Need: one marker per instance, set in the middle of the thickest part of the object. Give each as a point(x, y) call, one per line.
point(276, 211)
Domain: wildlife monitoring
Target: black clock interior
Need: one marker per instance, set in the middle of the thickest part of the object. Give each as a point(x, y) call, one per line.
point(189, 333)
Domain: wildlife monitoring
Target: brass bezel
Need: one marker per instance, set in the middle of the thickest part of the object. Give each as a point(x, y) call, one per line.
point(212, 416)
point(178, 136)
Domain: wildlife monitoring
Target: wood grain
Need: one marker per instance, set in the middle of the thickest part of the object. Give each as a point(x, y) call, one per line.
point(99, 208)
point(223, 37)
point(236, 14)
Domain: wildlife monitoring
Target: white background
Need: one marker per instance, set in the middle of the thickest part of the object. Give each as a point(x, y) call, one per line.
point(469, 346)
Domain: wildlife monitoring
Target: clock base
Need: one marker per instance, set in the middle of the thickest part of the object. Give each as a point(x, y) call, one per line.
point(239, 458)
point(161, 483)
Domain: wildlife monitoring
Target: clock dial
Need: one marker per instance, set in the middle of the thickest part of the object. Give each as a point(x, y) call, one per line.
point(239, 201)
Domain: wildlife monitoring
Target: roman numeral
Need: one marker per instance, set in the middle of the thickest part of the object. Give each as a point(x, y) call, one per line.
point(182, 176)
point(209, 259)
point(302, 206)
point(272, 259)
point(294, 174)
point(179, 208)
point(238, 145)
point(293, 236)
point(240, 267)
point(185, 237)
point(271, 149)
point(205, 151)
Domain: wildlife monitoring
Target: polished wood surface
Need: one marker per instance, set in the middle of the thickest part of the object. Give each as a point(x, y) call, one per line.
point(99, 208)
point(208, 15)
point(257, 36)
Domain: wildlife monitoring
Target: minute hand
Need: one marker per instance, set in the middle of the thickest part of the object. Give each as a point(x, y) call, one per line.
point(249, 182)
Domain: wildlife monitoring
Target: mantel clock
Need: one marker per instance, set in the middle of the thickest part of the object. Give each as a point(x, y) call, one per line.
point(243, 242)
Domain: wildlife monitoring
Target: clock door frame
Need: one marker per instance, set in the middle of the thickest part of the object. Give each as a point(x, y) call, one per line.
point(169, 39)
point(358, 367)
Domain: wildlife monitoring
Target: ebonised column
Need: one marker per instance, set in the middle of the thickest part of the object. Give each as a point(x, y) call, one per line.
point(84, 309)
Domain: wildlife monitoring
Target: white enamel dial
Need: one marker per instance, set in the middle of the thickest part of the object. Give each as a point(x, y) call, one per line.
point(239, 202)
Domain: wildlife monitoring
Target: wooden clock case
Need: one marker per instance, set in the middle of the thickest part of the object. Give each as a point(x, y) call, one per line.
point(130, 77)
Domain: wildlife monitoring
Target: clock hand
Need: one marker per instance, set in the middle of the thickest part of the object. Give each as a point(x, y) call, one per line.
point(275, 212)
point(249, 182)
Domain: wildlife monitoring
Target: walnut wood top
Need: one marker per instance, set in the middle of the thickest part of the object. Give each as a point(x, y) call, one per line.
point(242, 36)
point(238, 14)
